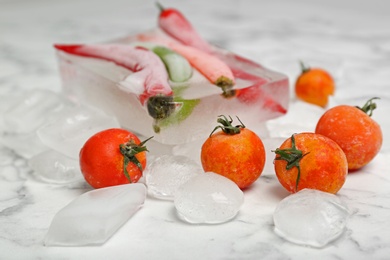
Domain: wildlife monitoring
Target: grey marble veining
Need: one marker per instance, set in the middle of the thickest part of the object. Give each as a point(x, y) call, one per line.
point(349, 38)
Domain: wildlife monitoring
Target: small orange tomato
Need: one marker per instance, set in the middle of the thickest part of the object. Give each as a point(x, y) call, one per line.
point(354, 130)
point(112, 157)
point(314, 86)
point(235, 152)
point(313, 161)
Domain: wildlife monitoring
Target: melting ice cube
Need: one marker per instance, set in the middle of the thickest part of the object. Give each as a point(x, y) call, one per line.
point(208, 198)
point(26, 145)
point(68, 133)
point(30, 110)
point(52, 166)
point(165, 175)
point(95, 216)
point(311, 217)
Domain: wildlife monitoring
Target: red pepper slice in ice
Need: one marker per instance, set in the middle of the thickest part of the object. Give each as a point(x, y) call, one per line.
point(188, 35)
point(147, 67)
point(175, 24)
point(215, 70)
point(138, 60)
point(210, 66)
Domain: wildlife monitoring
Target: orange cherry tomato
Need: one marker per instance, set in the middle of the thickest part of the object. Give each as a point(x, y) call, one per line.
point(235, 152)
point(112, 157)
point(354, 130)
point(314, 86)
point(313, 161)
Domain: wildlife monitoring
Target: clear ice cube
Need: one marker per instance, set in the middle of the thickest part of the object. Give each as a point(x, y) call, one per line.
point(208, 198)
point(25, 145)
point(95, 216)
point(167, 173)
point(311, 217)
point(54, 167)
point(30, 110)
point(70, 130)
point(198, 102)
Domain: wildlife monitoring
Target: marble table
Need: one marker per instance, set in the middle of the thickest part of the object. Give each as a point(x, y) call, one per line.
point(349, 38)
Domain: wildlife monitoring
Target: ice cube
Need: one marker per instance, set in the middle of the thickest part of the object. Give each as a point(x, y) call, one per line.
point(95, 216)
point(54, 167)
point(311, 217)
point(167, 173)
point(68, 133)
point(208, 198)
point(30, 110)
point(26, 145)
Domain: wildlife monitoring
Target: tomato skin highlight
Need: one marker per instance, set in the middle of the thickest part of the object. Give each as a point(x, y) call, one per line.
point(101, 161)
point(356, 133)
point(239, 157)
point(324, 166)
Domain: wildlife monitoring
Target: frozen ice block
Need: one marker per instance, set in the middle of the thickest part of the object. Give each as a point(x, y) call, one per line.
point(259, 94)
point(95, 216)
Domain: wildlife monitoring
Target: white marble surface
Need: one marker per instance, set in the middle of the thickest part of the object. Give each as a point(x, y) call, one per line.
point(349, 38)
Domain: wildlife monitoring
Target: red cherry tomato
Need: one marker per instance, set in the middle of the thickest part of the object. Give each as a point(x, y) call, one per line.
point(112, 157)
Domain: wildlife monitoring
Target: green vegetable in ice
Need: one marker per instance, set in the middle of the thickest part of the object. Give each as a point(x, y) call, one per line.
point(179, 69)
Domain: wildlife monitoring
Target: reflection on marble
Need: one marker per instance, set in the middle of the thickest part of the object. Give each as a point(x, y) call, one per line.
point(349, 38)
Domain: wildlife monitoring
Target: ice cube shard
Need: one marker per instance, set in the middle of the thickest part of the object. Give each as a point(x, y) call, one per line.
point(95, 216)
point(190, 111)
point(311, 218)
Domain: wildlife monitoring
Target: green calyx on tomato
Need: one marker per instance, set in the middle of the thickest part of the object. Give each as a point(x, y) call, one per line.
point(369, 107)
point(227, 127)
point(304, 68)
point(292, 156)
point(129, 150)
